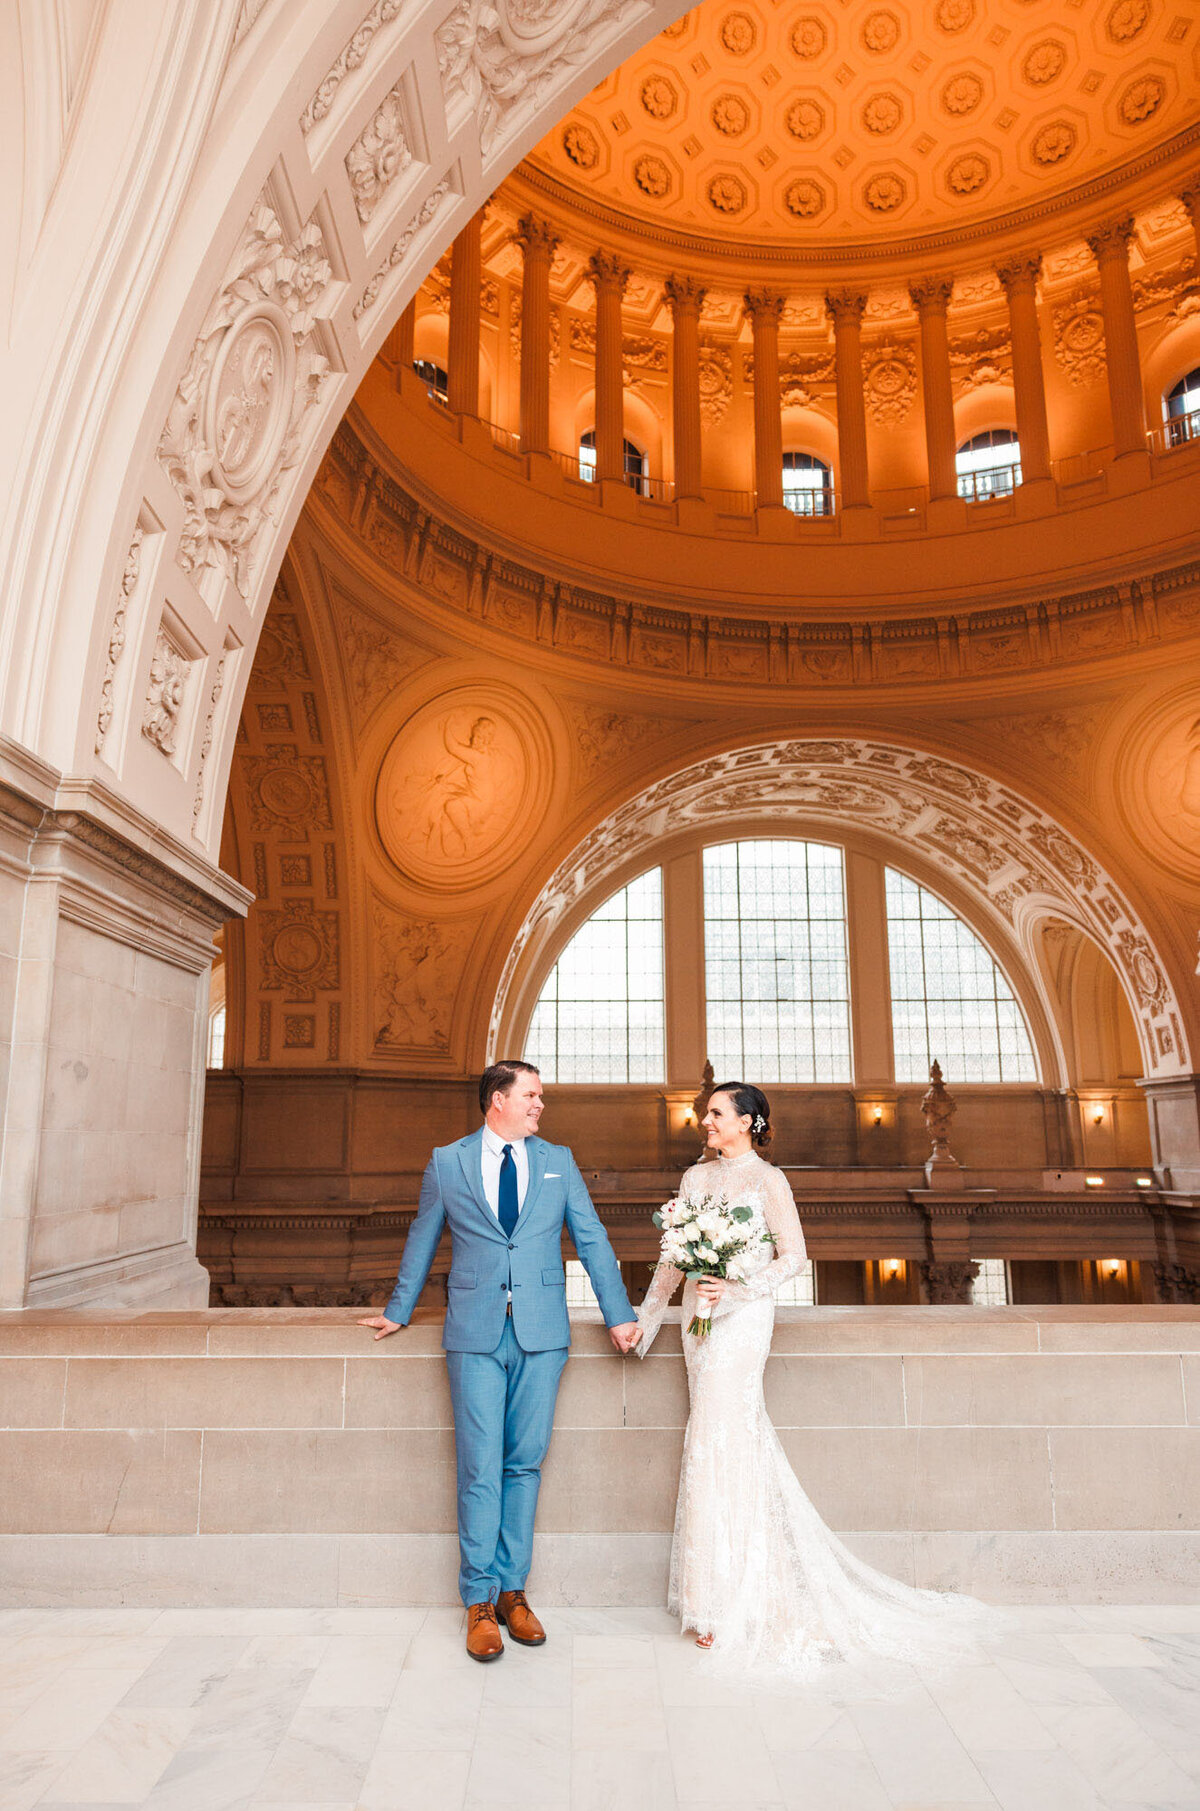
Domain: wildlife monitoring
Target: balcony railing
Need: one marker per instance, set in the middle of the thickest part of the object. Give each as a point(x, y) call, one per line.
point(809, 502)
point(1177, 430)
point(991, 482)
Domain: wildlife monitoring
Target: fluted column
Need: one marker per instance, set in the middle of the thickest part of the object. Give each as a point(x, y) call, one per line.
point(847, 311)
point(1110, 248)
point(931, 298)
point(538, 243)
point(466, 274)
point(609, 277)
point(400, 344)
point(684, 297)
point(1018, 279)
point(765, 308)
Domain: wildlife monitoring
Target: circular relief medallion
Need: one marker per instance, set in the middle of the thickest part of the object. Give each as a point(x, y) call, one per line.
point(730, 115)
point(1164, 796)
point(962, 94)
point(967, 174)
point(1054, 142)
point(658, 97)
point(884, 194)
point(808, 38)
point(882, 114)
point(727, 194)
point(955, 15)
point(287, 792)
point(296, 949)
point(460, 778)
point(738, 34)
point(880, 32)
point(1142, 99)
point(1044, 63)
point(805, 198)
point(653, 177)
point(581, 147)
point(1126, 19)
point(249, 399)
point(805, 120)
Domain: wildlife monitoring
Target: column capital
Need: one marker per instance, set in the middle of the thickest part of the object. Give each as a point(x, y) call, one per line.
point(607, 271)
point(931, 295)
point(845, 306)
point(534, 235)
point(1019, 273)
point(683, 294)
point(764, 304)
point(1111, 241)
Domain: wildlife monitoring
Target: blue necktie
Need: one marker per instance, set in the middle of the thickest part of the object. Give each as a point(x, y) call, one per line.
point(508, 1192)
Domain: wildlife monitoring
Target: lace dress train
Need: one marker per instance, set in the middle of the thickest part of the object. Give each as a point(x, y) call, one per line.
point(752, 1563)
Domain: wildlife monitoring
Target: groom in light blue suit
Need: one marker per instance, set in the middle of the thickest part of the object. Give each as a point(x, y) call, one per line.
point(506, 1195)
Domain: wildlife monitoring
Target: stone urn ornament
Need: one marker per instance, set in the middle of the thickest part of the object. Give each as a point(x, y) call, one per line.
point(938, 1108)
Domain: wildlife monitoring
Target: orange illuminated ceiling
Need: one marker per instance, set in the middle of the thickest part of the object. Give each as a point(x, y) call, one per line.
point(750, 126)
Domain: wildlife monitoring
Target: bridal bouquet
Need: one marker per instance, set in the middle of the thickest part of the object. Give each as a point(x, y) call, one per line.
point(708, 1236)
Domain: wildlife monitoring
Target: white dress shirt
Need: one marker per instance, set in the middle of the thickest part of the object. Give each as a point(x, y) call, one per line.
point(493, 1157)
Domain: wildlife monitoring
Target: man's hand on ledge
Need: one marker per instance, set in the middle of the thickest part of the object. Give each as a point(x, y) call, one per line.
point(625, 1337)
point(384, 1325)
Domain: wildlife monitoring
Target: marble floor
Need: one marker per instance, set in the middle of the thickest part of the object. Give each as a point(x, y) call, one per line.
point(371, 1710)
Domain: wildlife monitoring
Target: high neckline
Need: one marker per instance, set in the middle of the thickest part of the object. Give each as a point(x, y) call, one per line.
point(734, 1163)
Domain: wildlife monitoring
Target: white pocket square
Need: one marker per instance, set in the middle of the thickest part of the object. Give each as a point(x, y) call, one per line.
point(552, 1176)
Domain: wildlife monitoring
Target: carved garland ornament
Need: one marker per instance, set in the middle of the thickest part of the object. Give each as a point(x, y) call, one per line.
point(116, 637)
point(422, 218)
point(1034, 868)
point(1079, 339)
point(235, 426)
point(890, 386)
point(170, 670)
point(351, 58)
point(380, 153)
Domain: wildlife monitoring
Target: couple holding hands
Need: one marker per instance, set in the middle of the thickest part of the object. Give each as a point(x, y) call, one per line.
point(754, 1570)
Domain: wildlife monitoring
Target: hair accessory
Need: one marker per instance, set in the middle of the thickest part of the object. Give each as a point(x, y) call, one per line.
point(759, 1122)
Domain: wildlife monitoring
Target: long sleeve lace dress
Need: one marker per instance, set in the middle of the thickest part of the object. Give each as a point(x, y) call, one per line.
point(752, 1563)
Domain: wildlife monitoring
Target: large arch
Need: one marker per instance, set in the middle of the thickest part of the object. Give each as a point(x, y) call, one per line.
point(1011, 859)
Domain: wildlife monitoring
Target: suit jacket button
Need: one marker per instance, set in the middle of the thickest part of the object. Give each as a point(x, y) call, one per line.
point(512, 1248)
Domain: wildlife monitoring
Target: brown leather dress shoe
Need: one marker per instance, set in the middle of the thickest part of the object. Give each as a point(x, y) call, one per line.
point(483, 1632)
point(512, 1607)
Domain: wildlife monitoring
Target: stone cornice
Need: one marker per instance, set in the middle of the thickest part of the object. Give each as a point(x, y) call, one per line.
point(823, 254)
point(398, 530)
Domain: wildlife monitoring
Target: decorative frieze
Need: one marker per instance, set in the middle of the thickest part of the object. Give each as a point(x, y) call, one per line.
point(352, 57)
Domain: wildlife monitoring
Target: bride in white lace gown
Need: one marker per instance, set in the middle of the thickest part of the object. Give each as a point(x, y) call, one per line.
point(754, 1570)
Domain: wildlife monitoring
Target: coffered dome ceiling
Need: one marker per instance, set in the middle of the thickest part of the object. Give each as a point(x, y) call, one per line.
point(809, 124)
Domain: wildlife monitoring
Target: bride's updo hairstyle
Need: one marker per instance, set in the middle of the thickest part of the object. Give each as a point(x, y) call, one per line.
point(750, 1102)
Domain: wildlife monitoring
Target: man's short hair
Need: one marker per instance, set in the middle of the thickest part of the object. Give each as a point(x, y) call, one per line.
point(499, 1078)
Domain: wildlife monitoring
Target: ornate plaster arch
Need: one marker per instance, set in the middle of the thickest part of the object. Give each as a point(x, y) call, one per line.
point(273, 184)
point(1016, 861)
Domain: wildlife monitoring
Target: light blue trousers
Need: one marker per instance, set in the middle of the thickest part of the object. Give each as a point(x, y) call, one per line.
point(503, 1418)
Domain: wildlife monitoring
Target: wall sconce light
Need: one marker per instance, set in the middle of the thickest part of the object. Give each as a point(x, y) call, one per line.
point(1098, 1117)
point(892, 1268)
point(877, 1116)
point(1093, 1182)
point(689, 1118)
point(1144, 1181)
point(1113, 1266)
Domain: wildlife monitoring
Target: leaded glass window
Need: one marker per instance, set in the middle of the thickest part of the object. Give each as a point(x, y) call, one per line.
point(991, 1287)
point(776, 971)
point(949, 999)
point(600, 1016)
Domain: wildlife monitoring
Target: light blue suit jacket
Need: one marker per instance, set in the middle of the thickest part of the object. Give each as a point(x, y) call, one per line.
point(485, 1265)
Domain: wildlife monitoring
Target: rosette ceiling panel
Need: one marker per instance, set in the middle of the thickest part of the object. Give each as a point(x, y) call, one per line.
point(750, 124)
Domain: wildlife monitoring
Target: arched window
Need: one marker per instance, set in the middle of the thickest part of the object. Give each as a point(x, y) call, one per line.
point(434, 377)
point(988, 465)
point(775, 964)
point(807, 485)
point(949, 998)
point(636, 464)
point(1181, 409)
point(600, 1016)
point(216, 1038)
